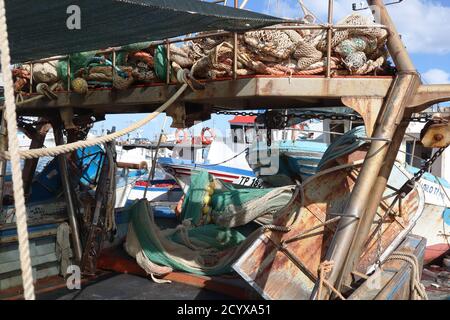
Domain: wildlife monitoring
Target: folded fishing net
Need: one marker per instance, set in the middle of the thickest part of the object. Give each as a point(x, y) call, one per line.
point(205, 242)
point(344, 145)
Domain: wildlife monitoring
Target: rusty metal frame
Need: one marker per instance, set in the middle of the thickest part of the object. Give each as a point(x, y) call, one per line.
point(367, 193)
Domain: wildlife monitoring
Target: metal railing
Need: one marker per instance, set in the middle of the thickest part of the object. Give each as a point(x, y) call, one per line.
point(329, 27)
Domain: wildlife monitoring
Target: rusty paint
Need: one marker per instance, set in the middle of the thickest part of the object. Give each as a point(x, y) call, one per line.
point(428, 95)
point(276, 276)
point(368, 107)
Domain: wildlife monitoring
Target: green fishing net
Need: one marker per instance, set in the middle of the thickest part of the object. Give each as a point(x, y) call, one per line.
point(171, 251)
point(200, 244)
point(194, 200)
point(160, 62)
point(212, 236)
point(77, 61)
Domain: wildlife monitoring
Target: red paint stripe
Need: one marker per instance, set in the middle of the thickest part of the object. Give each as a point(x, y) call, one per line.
point(188, 174)
point(224, 175)
point(185, 170)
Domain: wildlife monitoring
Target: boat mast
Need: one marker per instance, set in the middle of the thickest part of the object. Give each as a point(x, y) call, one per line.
point(358, 216)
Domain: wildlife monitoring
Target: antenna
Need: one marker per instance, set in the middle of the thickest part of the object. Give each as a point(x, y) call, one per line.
point(359, 6)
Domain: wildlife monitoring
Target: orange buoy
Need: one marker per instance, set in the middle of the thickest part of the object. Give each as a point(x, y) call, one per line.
point(207, 139)
point(180, 139)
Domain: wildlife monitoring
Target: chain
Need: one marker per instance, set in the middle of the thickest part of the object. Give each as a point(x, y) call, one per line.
point(409, 185)
point(427, 165)
point(403, 192)
point(379, 242)
point(274, 119)
point(320, 116)
point(237, 113)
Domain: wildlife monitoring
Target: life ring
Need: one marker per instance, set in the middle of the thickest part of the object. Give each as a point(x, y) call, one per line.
point(182, 139)
point(205, 138)
point(296, 128)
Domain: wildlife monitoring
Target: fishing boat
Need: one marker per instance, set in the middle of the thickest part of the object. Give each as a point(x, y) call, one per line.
point(340, 228)
point(225, 162)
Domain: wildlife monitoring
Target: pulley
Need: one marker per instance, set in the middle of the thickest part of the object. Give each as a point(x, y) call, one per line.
point(436, 133)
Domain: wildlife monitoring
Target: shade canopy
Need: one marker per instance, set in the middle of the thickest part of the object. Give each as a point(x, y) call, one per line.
point(39, 29)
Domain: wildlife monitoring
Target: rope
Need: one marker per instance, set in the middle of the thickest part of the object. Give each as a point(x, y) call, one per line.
point(417, 289)
point(324, 268)
point(217, 164)
point(19, 199)
point(277, 228)
point(54, 151)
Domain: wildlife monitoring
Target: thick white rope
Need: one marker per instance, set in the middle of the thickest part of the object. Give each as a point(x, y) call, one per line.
point(19, 199)
point(418, 291)
point(54, 151)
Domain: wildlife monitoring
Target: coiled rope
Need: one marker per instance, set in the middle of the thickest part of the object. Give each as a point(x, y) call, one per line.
point(19, 199)
point(54, 151)
point(418, 291)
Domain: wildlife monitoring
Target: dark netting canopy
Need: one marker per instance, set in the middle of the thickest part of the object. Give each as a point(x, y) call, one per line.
point(38, 29)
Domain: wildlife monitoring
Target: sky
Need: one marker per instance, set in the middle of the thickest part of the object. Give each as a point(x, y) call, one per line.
point(423, 24)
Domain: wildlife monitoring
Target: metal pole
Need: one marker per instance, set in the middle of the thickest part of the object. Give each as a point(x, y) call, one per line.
point(329, 36)
point(235, 47)
point(403, 88)
point(362, 194)
point(31, 77)
point(168, 62)
point(62, 161)
point(376, 193)
point(395, 44)
point(151, 175)
point(68, 74)
point(113, 65)
point(3, 147)
point(413, 152)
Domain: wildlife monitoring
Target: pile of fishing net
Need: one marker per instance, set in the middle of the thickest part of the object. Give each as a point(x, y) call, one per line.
point(133, 64)
point(294, 52)
point(207, 241)
point(265, 52)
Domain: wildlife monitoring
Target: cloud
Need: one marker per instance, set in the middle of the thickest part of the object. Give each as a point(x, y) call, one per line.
point(423, 24)
point(436, 76)
point(283, 8)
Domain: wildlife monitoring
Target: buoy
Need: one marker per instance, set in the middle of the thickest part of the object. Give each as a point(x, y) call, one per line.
point(207, 199)
point(207, 139)
point(210, 190)
point(206, 210)
point(79, 85)
point(180, 139)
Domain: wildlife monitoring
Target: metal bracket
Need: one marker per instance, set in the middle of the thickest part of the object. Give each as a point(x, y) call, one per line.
point(364, 7)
